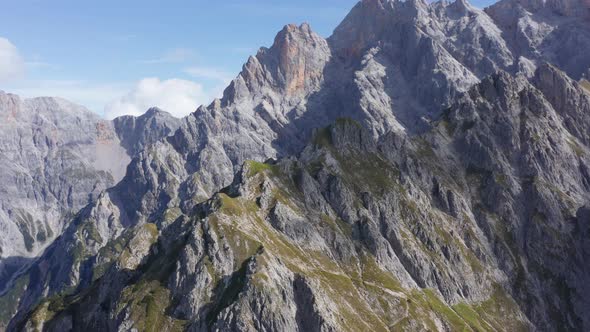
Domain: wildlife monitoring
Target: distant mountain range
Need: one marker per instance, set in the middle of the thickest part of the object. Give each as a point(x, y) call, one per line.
point(424, 168)
point(57, 158)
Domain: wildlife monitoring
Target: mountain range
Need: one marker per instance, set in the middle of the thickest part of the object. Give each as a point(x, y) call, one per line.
point(424, 168)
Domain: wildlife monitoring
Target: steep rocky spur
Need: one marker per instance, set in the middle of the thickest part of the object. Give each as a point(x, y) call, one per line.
point(57, 157)
point(448, 192)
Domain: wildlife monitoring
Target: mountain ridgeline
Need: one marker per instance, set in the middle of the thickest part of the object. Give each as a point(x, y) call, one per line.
point(427, 167)
point(57, 158)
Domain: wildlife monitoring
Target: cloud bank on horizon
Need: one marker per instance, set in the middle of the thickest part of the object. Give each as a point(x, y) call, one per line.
point(11, 63)
point(179, 97)
point(176, 96)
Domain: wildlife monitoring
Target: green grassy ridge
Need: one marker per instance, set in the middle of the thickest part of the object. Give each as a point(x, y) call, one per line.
point(85, 230)
point(9, 301)
point(228, 291)
point(362, 170)
point(55, 305)
point(148, 302)
point(298, 260)
point(462, 316)
point(343, 287)
point(117, 250)
point(149, 299)
point(255, 168)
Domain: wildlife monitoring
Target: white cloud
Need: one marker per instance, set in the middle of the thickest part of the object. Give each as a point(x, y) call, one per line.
point(11, 63)
point(172, 56)
point(176, 96)
point(92, 96)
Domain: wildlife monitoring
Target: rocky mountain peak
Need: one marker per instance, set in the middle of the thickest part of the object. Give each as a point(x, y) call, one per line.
point(292, 66)
point(546, 31)
point(154, 111)
point(362, 26)
point(8, 99)
point(136, 133)
point(415, 179)
point(295, 61)
point(300, 55)
point(567, 97)
point(561, 7)
point(570, 7)
point(463, 7)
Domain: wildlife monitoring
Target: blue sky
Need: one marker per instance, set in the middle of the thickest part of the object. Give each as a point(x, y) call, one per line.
point(120, 54)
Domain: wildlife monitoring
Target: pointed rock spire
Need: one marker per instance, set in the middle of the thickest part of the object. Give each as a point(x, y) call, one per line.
point(293, 64)
point(462, 6)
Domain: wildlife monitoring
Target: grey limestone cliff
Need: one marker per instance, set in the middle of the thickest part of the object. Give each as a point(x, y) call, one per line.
point(424, 168)
point(57, 157)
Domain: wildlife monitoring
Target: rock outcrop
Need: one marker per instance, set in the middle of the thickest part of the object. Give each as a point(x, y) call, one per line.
point(57, 157)
point(424, 168)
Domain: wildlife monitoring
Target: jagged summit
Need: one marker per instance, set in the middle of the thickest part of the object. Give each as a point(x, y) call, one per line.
point(57, 157)
point(571, 8)
point(136, 133)
point(155, 111)
point(553, 31)
point(292, 64)
point(432, 173)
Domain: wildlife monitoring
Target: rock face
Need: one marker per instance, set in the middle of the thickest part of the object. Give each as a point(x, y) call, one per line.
point(426, 168)
point(555, 31)
point(137, 133)
point(324, 241)
point(57, 158)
